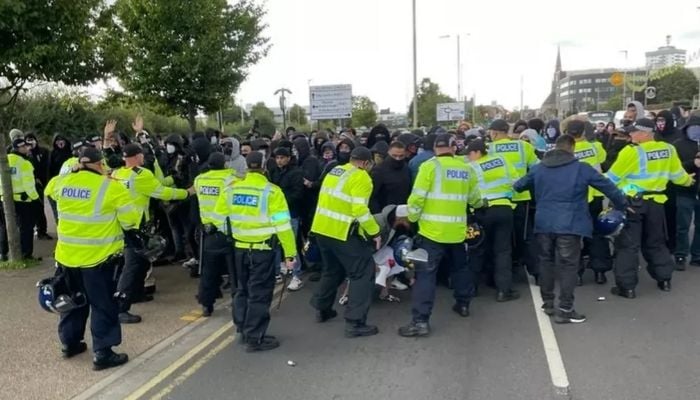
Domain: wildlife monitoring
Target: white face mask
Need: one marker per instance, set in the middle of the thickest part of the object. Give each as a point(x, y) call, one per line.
point(170, 148)
point(214, 140)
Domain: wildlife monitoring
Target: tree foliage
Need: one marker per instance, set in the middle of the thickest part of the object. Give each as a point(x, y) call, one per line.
point(265, 118)
point(364, 111)
point(192, 54)
point(296, 116)
point(429, 96)
point(614, 103)
point(676, 86)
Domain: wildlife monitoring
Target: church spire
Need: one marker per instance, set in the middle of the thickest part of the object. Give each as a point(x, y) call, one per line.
point(557, 68)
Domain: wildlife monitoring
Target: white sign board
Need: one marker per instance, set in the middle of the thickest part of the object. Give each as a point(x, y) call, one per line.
point(650, 92)
point(450, 111)
point(330, 102)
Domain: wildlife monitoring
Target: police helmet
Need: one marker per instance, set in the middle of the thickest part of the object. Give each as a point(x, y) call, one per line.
point(153, 247)
point(610, 223)
point(474, 235)
point(402, 246)
point(55, 297)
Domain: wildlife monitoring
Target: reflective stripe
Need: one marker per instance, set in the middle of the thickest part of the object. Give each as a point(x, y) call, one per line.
point(247, 218)
point(419, 192)
point(676, 175)
point(255, 232)
point(281, 216)
point(213, 216)
point(207, 202)
point(648, 175)
point(254, 189)
point(76, 240)
point(641, 154)
point(284, 227)
point(364, 218)
point(447, 196)
point(614, 178)
point(344, 197)
point(125, 209)
point(494, 196)
point(132, 183)
point(263, 202)
point(99, 200)
point(85, 218)
point(443, 218)
point(334, 215)
point(251, 246)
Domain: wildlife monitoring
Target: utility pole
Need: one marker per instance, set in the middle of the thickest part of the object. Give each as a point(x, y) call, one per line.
point(521, 96)
point(283, 105)
point(624, 80)
point(415, 72)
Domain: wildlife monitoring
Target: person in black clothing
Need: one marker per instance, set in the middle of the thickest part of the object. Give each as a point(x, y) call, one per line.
point(342, 151)
point(380, 151)
point(176, 163)
point(687, 201)
point(60, 152)
point(39, 157)
point(391, 180)
point(311, 169)
point(666, 132)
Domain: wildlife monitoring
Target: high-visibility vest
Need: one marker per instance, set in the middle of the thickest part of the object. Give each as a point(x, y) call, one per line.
point(647, 168)
point(520, 154)
point(257, 210)
point(92, 212)
point(142, 185)
point(210, 185)
point(444, 186)
point(496, 177)
point(22, 178)
point(342, 202)
point(67, 166)
point(593, 154)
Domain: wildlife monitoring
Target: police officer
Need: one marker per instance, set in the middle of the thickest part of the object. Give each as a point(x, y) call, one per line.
point(142, 186)
point(94, 210)
point(344, 230)
point(495, 176)
point(72, 164)
point(642, 171)
point(593, 154)
point(522, 156)
point(23, 193)
point(444, 186)
point(259, 219)
point(217, 251)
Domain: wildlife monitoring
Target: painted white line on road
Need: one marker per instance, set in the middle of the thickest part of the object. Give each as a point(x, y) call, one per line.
point(549, 341)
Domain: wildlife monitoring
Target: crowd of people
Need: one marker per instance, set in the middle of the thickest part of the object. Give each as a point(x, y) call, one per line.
point(534, 188)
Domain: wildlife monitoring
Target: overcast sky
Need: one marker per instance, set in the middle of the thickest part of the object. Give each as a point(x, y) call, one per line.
point(368, 43)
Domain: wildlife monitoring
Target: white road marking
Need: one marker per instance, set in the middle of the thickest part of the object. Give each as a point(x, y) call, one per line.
point(560, 379)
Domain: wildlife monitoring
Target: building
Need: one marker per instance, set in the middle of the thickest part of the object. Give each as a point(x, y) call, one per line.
point(665, 56)
point(583, 90)
point(392, 119)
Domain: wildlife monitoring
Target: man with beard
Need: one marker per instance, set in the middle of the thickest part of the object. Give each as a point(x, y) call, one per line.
point(391, 180)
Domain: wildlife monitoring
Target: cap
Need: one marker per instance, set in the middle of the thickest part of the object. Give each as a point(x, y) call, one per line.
point(361, 153)
point(216, 160)
point(17, 143)
point(93, 138)
point(444, 140)
point(131, 150)
point(499, 125)
point(15, 134)
point(476, 145)
point(644, 125)
point(90, 155)
point(283, 151)
point(402, 211)
point(575, 127)
point(254, 160)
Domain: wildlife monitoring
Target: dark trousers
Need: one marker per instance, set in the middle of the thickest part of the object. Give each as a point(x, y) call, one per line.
point(39, 212)
point(497, 247)
point(351, 259)
point(217, 256)
point(524, 250)
point(98, 284)
point(645, 231)
point(686, 207)
point(256, 281)
point(670, 210)
point(597, 247)
point(423, 296)
point(25, 221)
point(132, 279)
point(561, 252)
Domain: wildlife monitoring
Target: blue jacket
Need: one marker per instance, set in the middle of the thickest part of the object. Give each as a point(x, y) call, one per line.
point(560, 188)
point(417, 160)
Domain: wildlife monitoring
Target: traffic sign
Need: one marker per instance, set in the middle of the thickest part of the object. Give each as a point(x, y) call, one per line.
point(330, 102)
point(450, 111)
point(650, 92)
point(617, 79)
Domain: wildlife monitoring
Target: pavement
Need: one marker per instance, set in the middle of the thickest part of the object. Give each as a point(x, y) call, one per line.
point(643, 349)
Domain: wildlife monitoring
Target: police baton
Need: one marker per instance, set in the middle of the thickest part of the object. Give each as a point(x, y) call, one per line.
point(284, 287)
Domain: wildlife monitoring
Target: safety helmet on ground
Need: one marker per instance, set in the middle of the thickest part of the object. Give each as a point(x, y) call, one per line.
point(610, 223)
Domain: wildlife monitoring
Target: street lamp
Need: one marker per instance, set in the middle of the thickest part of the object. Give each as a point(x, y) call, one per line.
point(415, 65)
point(624, 80)
point(459, 64)
point(283, 105)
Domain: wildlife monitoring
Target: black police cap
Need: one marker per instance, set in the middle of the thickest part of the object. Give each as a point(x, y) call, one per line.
point(361, 153)
point(254, 160)
point(131, 150)
point(499, 125)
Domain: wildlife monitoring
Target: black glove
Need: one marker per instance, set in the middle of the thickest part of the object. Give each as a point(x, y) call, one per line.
point(23, 196)
point(133, 238)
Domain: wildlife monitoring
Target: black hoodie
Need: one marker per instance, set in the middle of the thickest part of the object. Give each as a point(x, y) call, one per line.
point(309, 163)
point(58, 156)
point(687, 149)
point(670, 134)
point(341, 158)
point(391, 182)
point(381, 131)
point(39, 157)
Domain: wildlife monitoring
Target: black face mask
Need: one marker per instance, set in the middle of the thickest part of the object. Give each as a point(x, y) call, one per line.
point(380, 138)
point(626, 122)
point(344, 157)
point(394, 163)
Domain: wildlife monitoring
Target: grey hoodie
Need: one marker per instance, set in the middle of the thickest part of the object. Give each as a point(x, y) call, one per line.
point(639, 107)
point(235, 161)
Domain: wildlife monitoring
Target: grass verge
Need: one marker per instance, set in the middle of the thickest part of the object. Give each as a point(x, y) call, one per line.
point(15, 265)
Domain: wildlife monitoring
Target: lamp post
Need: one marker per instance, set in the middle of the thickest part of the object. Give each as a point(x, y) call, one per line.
point(283, 105)
point(624, 80)
point(415, 75)
point(459, 63)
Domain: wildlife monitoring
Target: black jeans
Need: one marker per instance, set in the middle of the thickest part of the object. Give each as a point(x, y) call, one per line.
point(351, 259)
point(686, 207)
point(40, 216)
point(562, 252)
point(132, 279)
point(524, 250)
point(462, 278)
point(98, 284)
point(598, 247)
point(645, 231)
point(217, 257)
point(497, 247)
point(256, 282)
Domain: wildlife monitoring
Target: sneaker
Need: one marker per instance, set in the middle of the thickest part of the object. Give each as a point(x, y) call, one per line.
point(44, 236)
point(108, 359)
point(548, 308)
point(359, 329)
point(343, 300)
point(415, 329)
point(680, 263)
point(396, 284)
point(278, 278)
point(295, 284)
point(569, 317)
point(192, 262)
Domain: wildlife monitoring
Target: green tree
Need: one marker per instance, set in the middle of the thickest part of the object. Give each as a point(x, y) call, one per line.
point(614, 103)
point(364, 111)
point(192, 54)
point(297, 116)
point(429, 96)
point(265, 118)
point(234, 113)
point(43, 41)
point(679, 85)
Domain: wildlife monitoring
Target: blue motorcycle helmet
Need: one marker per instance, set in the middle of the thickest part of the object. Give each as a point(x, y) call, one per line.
point(609, 223)
point(55, 297)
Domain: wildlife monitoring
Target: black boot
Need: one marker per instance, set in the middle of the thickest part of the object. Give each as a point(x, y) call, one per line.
point(107, 359)
point(129, 318)
point(359, 329)
point(265, 344)
point(207, 311)
point(680, 263)
point(73, 349)
point(664, 286)
point(325, 315)
point(626, 293)
point(462, 310)
point(415, 329)
point(600, 278)
point(507, 296)
point(548, 308)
